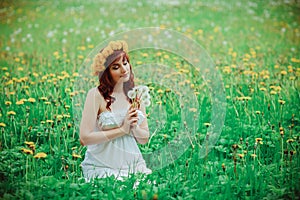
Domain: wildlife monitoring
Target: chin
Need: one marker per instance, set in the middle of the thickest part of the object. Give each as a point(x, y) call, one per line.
point(126, 79)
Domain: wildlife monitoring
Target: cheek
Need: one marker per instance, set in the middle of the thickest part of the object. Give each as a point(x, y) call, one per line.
point(128, 67)
point(114, 74)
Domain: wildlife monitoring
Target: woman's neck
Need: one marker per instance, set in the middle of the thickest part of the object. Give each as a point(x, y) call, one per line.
point(118, 88)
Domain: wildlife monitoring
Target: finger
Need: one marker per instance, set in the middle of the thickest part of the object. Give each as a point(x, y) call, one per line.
point(132, 121)
point(132, 109)
point(132, 114)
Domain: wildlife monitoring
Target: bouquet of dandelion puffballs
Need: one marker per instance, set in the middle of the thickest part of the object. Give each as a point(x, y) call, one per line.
point(139, 96)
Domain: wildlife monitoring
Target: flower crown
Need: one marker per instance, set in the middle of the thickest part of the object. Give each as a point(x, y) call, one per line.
point(101, 57)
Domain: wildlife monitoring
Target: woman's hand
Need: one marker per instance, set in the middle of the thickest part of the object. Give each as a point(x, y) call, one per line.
point(130, 120)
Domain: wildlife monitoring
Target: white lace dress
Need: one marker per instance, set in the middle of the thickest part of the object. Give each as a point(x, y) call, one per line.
point(118, 157)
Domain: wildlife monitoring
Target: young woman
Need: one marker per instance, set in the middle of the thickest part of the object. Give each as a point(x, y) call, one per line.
point(110, 126)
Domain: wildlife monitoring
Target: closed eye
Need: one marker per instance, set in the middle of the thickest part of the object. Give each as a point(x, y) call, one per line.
point(115, 66)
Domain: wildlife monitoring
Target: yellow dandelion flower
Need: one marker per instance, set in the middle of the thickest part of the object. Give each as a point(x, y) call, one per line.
point(20, 69)
point(56, 53)
point(11, 113)
point(75, 74)
point(17, 59)
point(295, 60)
point(139, 62)
point(227, 70)
point(47, 102)
point(32, 100)
point(10, 82)
point(49, 121)
point(67, 106)
point(29, 143)
point(283, 72)
point(2, 124)
point(72, 94)
point(168, 90)
point(193, 109)
point(158, 54)
point(258, 139)
point(290, 140)
point(40, 155)
point(266, 77)
point(20, 102)
point(282, 102)
point(262, 89)
point(90, 46)
point(43, 98)
point(257, 112)
point(253, 155)
point(292, 78)
point(273, 92)
point(207, 124)
point(247, 98)
point(166, 56)
point(74, 155)
point(27, 151)
point(160, 91)
point(8, 103)
point(4, 68)
point(59, 117)
point(241, 155)
point(278, 88)
point(145, 55)
point(66, 115)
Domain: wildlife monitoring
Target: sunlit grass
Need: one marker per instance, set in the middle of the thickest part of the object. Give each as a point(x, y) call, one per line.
point(255, 46)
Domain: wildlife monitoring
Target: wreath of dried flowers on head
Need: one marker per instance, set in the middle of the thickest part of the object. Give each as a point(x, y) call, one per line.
point(100, 59)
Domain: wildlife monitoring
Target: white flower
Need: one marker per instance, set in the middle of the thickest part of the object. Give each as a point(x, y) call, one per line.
point(131, 94)
point(146, 102)
point(145, 96)
point(144, 88)
point(139, 95)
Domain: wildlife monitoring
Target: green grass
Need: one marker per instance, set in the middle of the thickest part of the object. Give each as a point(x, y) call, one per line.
point(255, 46)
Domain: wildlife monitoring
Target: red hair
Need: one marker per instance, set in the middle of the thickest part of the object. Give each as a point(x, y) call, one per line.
point(106, 84)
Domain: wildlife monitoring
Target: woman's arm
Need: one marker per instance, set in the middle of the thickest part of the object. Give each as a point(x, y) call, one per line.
point(141, 132)
point(89, 116)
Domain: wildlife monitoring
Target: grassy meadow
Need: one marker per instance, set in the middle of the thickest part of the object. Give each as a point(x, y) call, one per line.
point(255, 48)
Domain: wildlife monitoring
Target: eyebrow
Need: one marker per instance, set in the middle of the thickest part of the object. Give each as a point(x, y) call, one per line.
point(117, 62)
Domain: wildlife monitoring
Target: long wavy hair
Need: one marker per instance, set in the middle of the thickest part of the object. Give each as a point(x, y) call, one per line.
point(106, 83)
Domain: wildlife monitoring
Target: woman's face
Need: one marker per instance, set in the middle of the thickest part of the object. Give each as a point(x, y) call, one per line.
point(120, 70)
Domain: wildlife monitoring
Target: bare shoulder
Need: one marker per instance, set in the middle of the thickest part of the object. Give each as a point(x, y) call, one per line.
point(94, 94)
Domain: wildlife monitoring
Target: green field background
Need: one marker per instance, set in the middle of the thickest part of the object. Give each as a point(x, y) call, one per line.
point(255, 48)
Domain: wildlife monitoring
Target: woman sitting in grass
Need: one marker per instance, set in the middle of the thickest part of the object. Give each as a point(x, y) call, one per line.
point(112, 121)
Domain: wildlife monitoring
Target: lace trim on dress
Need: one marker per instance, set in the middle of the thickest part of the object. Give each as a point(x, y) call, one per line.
point(109, 119)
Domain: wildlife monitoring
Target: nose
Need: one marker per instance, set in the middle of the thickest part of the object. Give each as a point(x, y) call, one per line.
point(123, 69)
